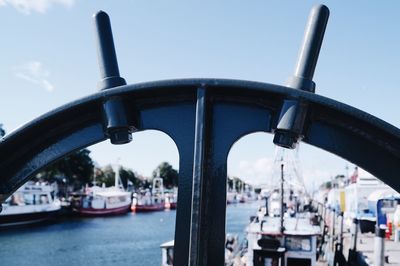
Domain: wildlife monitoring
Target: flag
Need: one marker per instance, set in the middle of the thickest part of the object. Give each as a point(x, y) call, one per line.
point(354, 176)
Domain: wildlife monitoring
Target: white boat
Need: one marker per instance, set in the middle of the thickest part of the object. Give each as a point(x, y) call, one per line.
point(264, 193)
point(382, 205)
point(270, 244)
point(336, 195)
point(356, 200)
point(99, 201)
point(283, 232)
point(246, 194)
point(32, 203)
point(171, 199)
point(102, 201)
point(147, 201)
point(231, 197)
point(274, 204)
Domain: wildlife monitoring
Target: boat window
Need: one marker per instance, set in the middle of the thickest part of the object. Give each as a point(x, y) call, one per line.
point(122, 199)
point(17, 199)
point(112, 200)
point(29, 199)
point(44, 199)
point(298, 243)
point(388, 206)
point(299, 262)
point(86, 203)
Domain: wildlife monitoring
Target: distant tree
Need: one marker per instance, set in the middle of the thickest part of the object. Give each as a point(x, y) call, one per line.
point(238, 183)
point(105, 176)
point(230, 183)
point(98, 176)
point(2, 131)
point(128, 175)
point(235, 183)
point(76, 169)
point(326, 185)
point(145, 182)
point(168, 174)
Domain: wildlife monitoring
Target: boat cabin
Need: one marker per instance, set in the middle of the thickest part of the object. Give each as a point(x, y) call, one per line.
point(268, 245)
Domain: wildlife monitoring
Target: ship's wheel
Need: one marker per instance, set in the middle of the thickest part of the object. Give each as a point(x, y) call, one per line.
point(204, 117)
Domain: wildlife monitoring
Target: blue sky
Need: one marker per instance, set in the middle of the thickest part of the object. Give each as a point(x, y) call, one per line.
point(49, 58)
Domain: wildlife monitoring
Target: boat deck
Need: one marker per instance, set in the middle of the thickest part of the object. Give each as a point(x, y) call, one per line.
point(293, 226)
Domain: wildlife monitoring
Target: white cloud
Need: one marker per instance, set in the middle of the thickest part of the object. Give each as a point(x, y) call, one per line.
point(266, 171)
point(40, 6)
point(35, 73)
point(313, 177)
point(256, 172)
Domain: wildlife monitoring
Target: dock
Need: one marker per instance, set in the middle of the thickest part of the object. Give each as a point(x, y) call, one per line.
point(348, 246)
point(365, 248)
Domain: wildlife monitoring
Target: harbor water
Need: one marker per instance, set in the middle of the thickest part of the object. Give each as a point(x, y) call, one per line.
point(131, 239)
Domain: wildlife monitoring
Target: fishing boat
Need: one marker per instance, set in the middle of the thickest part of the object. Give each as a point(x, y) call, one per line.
point(382, 204)
point(102, 201)
point(336, 195)
point(356, 200)
point(231, 197)
point(264, 193)
point(272, 241)
point(285, 233)
point(171, 199)
point(239, 193)
point(32, 203)
point(149, 201)
point(246, 194)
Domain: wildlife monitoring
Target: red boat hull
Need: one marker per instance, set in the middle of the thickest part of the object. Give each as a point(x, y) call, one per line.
point(102, 212)
point(148, 208)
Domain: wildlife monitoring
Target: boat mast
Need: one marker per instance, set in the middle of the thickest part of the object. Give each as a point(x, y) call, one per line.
point(282, 203)
point(116, 177)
